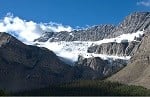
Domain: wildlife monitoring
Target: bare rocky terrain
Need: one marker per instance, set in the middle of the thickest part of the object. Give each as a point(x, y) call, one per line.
point(137, 72)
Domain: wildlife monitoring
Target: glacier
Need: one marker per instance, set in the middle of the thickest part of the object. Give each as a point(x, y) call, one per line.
point(72, 50)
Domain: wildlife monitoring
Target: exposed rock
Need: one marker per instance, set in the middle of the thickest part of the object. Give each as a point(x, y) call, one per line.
point(97, 68)
point(137, 72)
point(132, 23)
point(91, 34)
point(114, 48)
point(93, 68)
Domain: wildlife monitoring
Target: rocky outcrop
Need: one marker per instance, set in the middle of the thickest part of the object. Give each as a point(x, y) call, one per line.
point(24, 67)
point(137, 72)
point(90, 34)
point(97, 68)
point(116, 49)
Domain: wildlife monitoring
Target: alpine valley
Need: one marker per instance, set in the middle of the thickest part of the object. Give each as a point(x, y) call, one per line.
point(91, 59)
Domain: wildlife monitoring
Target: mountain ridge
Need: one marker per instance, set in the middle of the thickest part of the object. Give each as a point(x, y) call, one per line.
point(97, 52)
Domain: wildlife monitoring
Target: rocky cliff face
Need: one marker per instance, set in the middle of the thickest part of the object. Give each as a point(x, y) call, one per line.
point(24, 67)
point(90, 34)
point(97, 68)
point(93, 68)
point(113, 48)
point(137, 72)
point(137, 21)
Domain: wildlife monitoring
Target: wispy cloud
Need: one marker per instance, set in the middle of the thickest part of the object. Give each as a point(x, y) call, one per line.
point(28, 30)
point(145, 3)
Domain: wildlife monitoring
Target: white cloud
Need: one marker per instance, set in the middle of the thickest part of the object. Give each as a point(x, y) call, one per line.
point(27, 31)
point(145, 3)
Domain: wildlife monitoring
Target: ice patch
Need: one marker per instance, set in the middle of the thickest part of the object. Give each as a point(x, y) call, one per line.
point(122, 38)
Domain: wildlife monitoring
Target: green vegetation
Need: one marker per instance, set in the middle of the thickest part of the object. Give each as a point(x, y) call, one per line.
point(2, 93)
point(88, 87)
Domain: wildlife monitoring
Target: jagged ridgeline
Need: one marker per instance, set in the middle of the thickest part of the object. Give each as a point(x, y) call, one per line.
point(90, 34)
point(132, 23)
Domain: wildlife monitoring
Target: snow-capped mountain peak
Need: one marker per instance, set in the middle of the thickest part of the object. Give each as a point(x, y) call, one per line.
point(73, 49)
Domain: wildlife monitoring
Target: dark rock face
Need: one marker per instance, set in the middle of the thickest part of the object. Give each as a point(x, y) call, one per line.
point(97, 68)
point(113, 48)
point(91, 34)
point(24, 67)
point(132, 23)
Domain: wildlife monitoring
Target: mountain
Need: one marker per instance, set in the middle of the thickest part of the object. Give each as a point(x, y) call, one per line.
point(114, 48)
point(137, 72)
point(97, 52)
point(99, 45)
point(25, 67)
point(100, 51)
point(136, 21)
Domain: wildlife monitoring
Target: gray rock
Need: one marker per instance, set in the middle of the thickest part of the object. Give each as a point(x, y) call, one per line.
point(117, 49)
point(93, 68)
point(132, 23)
point(90, 34)
point(97, 68)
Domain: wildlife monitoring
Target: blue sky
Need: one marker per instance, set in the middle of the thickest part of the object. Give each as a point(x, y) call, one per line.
point(73, 12)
